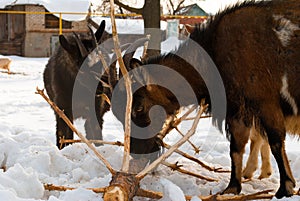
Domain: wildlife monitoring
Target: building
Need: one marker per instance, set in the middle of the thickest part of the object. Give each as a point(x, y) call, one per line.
point(34, 34)
point(194, 14)
point(188, 15)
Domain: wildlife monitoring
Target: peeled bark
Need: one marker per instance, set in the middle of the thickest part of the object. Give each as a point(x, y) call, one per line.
point(123, 186)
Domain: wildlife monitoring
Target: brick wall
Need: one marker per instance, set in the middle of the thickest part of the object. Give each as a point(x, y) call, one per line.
point(38, 38)
point(35, 21)
point(81, 25)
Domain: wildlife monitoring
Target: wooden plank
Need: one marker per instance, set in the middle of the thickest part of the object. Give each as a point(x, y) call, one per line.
point(11, 48)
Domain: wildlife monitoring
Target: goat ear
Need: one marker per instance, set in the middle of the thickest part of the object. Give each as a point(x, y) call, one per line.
point(134, 63)
point(100, 31)
point(65, 44)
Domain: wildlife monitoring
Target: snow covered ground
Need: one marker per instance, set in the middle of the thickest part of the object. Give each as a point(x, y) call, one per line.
point(29, 157)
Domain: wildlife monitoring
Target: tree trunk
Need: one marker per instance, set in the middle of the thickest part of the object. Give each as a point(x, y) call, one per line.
point(151, 16)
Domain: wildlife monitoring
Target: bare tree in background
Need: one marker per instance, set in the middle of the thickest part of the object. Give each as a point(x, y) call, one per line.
point(151, 15)
point(151, 12)
point(104, 8)
point(174, 6)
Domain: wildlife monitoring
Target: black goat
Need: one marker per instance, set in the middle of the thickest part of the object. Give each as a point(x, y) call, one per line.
point(76, 81)
point(72, 61)
point(256, 49)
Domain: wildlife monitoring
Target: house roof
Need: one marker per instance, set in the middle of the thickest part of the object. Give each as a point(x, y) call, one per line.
point(192, 10)
point(80, 6)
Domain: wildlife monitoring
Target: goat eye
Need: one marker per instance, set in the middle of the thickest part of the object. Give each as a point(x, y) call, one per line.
point(139, 109)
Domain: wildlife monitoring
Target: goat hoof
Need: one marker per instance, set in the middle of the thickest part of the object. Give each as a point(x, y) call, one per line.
point(248, 172)
point(262, 176)
point(285, 190)
point(232, 190)
point(247, 176)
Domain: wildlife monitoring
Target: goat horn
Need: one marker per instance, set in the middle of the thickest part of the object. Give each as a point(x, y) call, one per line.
point(82, 49)
point(100, 31)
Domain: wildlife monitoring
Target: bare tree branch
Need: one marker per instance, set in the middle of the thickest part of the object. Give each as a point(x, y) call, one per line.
point(172, 6)
point(176, 167)
point(118, 143)
point(154, 164)
point(69, 123)
point(51, 187)
point(196, 149)
point(178, 6)
point(254, 196)
point(157, 195)
point(144, 55)
point(172, 122)
point(129, 8)
point(219, 170)
point(125, 165)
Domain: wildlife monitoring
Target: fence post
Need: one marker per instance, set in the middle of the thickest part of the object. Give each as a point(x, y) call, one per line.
point(60, 24)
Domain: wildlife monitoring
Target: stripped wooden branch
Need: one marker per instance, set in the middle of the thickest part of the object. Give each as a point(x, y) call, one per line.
point(172, 122)
point(157, 195)
point(176, 167)
point(51, 187)
point(149, 194)
point(219, 170)
point(196, 149)
point(144, 55)
point(193, 118)
point(154, 164)
point(104, 96)
point(255, 196)
point(70, 124)
point(110, 79)
point(64, 141)
point(122, 187)
point(125, 164)
point(137, 165)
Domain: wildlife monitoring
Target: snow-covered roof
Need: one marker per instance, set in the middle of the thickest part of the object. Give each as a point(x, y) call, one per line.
point(55, 6)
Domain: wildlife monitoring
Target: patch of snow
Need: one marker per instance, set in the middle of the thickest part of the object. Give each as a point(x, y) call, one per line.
point(171, 191)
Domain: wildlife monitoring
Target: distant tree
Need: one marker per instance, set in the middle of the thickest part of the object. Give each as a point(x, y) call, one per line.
point(151, 15)
point(174, 6)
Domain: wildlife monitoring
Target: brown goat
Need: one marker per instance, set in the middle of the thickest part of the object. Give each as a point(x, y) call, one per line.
point(5, 64)
point(255, 48)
